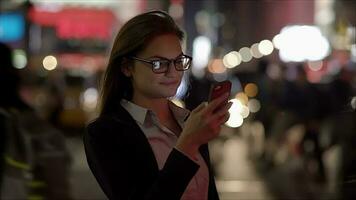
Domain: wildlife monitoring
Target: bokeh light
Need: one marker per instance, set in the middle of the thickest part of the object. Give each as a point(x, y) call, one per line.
point(244, 111)
point(202, 21)
point(19, 59)
point(245, 54)
point(89, 99)
point(299, 43)
point(220, 76)
point(255, 51)
point(277, 41)
point(274, 71)
point(315, 65)
point(353, 103)
point(176, 10)
point(218, 19)
point(251, 90)
point(235, 119)
point(216, 66)
point(232, 59)
point(265, 47)
point(49, 62)
point(254, 105)
point(201, 54)
point(242, 97)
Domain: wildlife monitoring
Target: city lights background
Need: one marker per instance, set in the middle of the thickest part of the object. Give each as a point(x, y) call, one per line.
point(61, 49)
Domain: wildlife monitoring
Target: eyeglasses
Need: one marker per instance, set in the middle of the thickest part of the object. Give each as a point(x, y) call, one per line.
point(161, 65)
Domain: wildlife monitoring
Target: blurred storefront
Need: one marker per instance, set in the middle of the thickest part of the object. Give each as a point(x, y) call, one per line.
point(61, 48)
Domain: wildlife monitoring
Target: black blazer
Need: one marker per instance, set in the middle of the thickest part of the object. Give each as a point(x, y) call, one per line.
point(123, 163)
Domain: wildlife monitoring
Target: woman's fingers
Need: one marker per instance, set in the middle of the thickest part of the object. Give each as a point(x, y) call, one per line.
point(223, 119)
point(222, 111)
point(213, 105)
point(200, 107)
point(205, 120)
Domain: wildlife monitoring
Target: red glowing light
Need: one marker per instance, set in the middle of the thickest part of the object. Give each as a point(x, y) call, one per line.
point(76, 23)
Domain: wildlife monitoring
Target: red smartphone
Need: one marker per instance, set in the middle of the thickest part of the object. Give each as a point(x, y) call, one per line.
point(218, 89)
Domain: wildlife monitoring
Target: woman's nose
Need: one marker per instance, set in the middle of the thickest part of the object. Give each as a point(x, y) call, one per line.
point(171, 69)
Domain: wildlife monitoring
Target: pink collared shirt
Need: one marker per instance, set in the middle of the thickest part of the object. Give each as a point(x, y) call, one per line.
point(163, 140)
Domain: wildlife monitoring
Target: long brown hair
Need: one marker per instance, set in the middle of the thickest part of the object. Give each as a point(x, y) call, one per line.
point(132, 38)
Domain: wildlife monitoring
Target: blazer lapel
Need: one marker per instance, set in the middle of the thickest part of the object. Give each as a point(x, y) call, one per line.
point(141, 146)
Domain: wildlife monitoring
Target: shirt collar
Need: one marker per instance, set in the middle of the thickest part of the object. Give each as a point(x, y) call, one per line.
point(139, 113)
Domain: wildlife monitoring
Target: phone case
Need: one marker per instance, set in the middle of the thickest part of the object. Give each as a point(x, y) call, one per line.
point(218, 89)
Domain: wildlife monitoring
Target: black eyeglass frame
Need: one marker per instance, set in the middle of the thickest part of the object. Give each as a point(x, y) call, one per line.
point(169, 60)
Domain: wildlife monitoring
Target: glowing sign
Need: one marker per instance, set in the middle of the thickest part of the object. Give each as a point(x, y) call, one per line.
point(76, 23)
point(12, 27)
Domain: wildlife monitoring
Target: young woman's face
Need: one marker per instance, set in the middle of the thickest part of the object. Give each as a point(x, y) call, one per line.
point(149, 84)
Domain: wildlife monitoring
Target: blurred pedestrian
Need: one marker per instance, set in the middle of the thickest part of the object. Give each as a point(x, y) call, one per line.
point(265, 93)
point(143, 146)
point(342, 129)
point(10, 99)
point(34, 158)
point(2, 148)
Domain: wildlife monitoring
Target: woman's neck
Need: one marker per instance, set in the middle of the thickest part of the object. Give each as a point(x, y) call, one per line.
point(161, 108)
point(158, 106)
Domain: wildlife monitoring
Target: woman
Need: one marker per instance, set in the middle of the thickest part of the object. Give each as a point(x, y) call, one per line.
point(142, 146)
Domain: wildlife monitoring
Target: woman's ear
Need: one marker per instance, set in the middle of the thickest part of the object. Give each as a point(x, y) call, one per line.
point(125, 69)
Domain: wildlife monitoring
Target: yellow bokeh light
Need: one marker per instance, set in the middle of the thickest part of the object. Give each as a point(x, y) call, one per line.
point(242, 97)
point(251, 90)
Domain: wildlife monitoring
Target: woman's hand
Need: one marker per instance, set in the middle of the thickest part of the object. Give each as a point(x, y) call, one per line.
point(203, 125)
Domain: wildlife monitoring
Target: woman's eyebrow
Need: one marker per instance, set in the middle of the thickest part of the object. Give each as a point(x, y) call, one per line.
point(157, 56)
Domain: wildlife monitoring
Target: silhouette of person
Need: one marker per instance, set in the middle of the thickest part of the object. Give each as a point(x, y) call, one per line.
point(34, 158)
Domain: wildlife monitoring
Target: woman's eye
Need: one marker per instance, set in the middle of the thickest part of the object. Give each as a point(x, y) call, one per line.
point(156, 65)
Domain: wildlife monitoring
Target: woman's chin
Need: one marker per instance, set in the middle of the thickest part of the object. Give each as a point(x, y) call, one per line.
point(169, 90)
point(168, 93)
